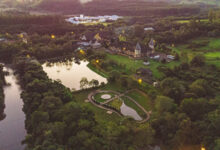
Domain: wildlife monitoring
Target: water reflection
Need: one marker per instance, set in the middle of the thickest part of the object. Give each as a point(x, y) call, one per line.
point(12, 129)
point(70, 72)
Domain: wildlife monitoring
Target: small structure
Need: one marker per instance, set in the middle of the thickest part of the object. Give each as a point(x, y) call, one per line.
point(137, 51)
point(109, 112)
point(106, 96)
point(83, 38)
point(156, 84)
point(96, 44)
point(23, 36)
point(152, 44)
point(149, 29)
point(144, 72)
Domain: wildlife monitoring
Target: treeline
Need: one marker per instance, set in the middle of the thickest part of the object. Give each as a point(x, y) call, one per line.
point(123, 8)
point(2, 102)
point(35, 24)
point(41, 47)
point(168, 31)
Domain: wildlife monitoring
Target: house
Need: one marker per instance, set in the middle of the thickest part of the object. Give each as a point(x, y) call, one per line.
point(96, 44)
point(2, 40)
point(144, 72)
point(23, 36)
point(162, 57)
point(83, 38)
point(97, 37)
point(152, 44)
point(90, 39)
point(142, 50)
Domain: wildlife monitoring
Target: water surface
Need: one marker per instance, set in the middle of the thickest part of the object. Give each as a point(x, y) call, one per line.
point(12, 129)
point(70, 73)
point(128, 111)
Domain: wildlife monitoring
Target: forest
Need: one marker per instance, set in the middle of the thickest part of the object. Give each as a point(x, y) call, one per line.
point(185, 102)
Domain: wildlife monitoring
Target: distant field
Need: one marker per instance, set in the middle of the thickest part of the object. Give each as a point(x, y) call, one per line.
point(213, 55)
point(209, 2)
point(209, 47)
point(187, 21)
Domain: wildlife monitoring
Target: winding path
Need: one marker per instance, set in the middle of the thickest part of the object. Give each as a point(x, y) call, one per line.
point(91, 99)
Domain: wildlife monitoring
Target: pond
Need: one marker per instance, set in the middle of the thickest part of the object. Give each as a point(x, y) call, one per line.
point(128, 111)
point(70, 73)
point(12, 128)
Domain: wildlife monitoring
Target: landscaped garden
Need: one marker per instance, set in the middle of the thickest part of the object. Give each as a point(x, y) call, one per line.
point(102, 97)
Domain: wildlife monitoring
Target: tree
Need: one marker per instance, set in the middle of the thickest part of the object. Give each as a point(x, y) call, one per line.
point(84, 82)
point(173, 88)
point(211, 15)
point(198, 61)
point(201, 88)
point(94, 83)
point(195, 108)
point(164, 104)
point(217, 144)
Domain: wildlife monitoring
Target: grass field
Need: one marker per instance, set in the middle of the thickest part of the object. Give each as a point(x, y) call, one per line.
point(213, 55)
point(209, 47)
point(101, 73)
point(187, 21)
point(132, 65)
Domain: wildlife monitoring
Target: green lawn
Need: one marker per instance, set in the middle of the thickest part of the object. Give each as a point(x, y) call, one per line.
point(101, 73)
point(114, 87)
point(131, 104)
point(99, 99)
point(213, 55)
point(213, 58)
point(142, 99)
point(100, 114)
point(132, 65)
point(116, 103)
point(187, 21)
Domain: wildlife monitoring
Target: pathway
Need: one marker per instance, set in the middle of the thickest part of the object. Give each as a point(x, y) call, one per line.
point(118, 95)
point(90, 98)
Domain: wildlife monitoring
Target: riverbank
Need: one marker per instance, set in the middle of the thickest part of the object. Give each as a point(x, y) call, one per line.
point(2, 83)
point(12, 128)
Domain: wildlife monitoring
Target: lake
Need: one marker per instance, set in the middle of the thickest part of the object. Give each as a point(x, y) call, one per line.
point(70, 73)
point(12, 128)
